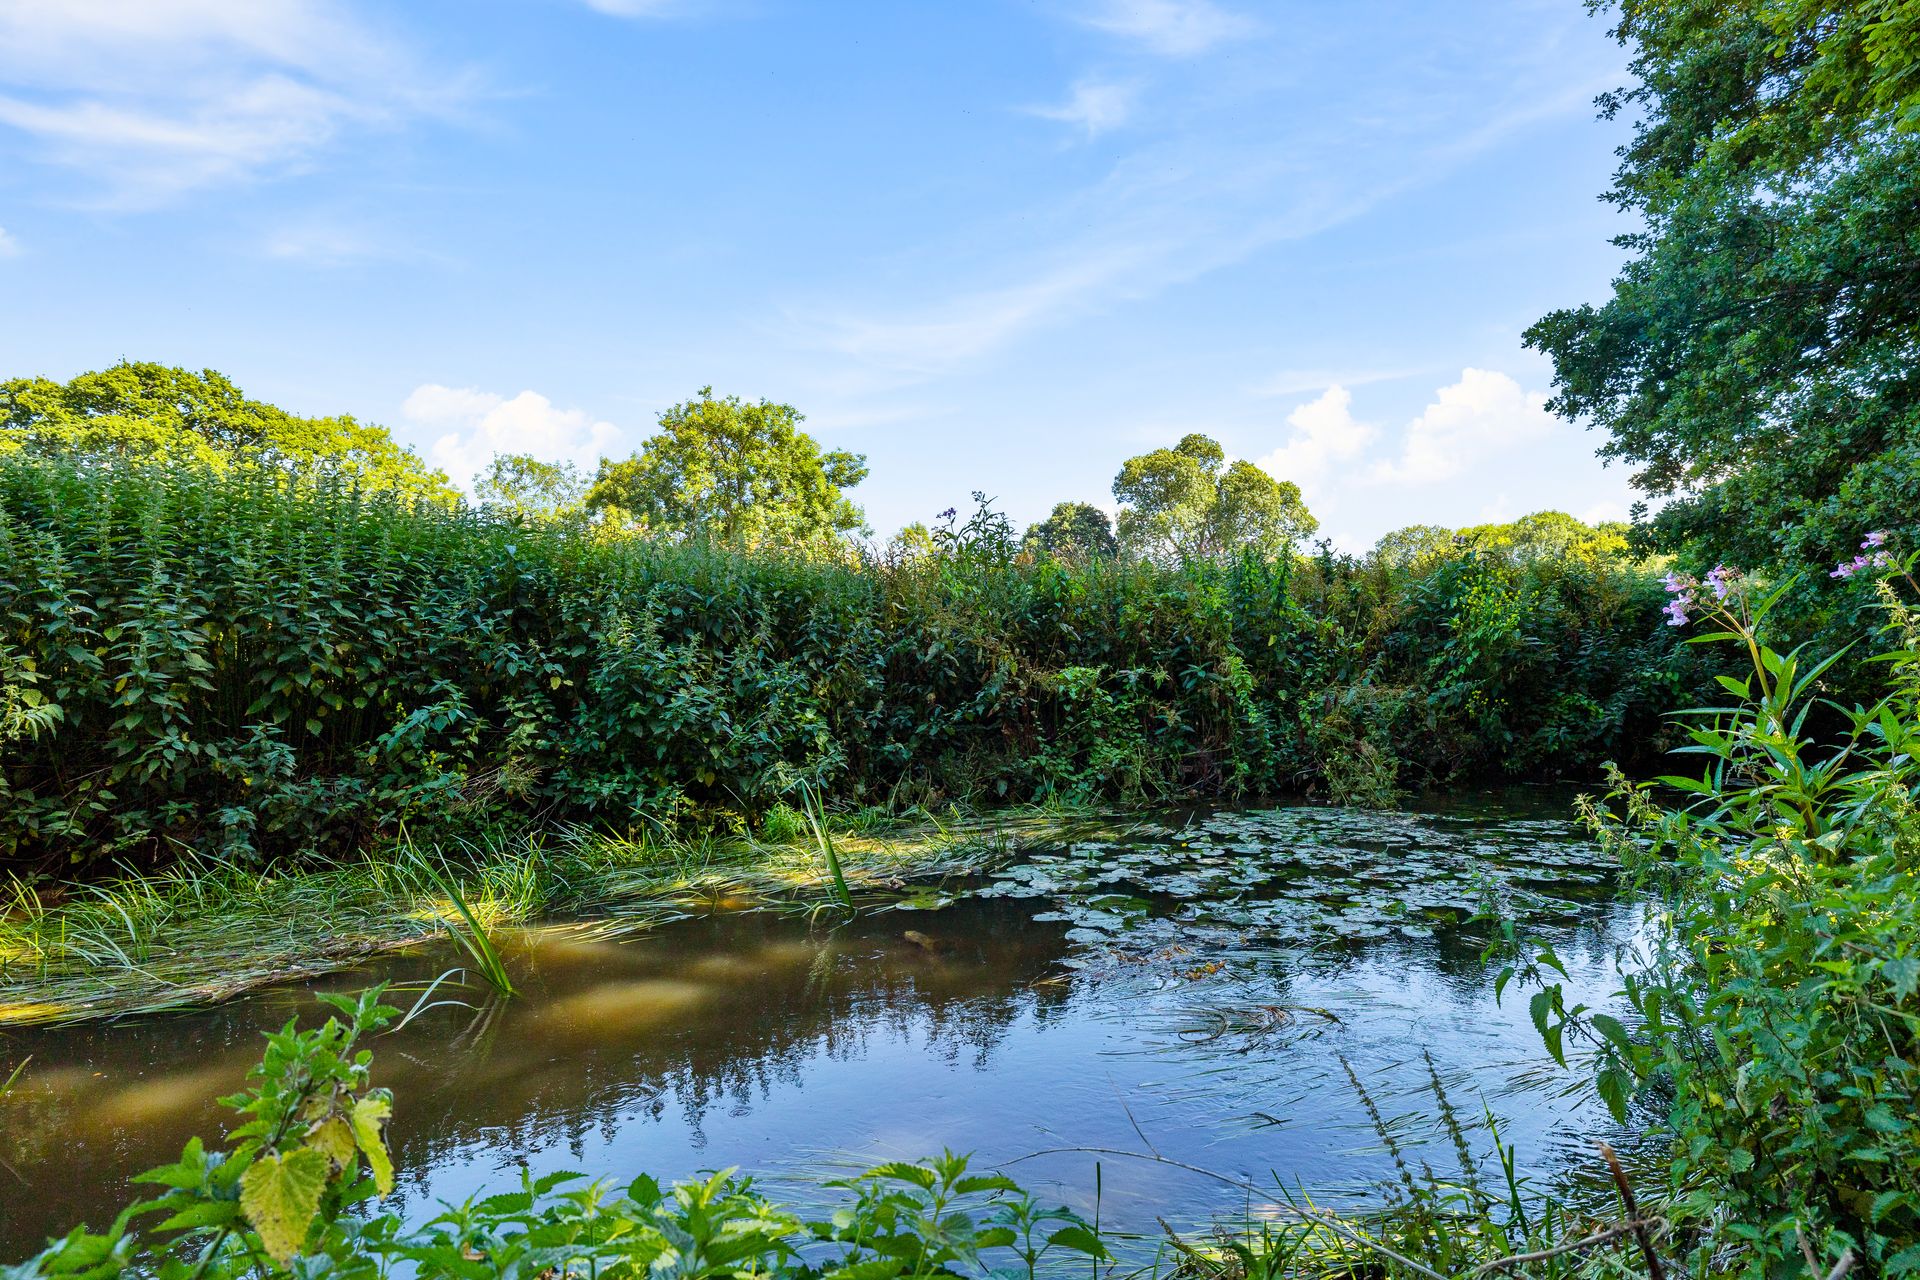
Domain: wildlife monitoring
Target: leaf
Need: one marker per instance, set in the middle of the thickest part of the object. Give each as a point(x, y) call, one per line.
point(369, 1120)
point(1079, 1239)
point(280, 1195)
point(333, 1137)
point(901, 1171)
point(1903, 973)
point(868, 1269)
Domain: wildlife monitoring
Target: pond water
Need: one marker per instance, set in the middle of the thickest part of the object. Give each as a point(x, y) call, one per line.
point(1198, 990)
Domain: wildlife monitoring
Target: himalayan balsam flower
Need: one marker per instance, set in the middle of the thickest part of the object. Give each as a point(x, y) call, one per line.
point(1681, 587)
point(1879, 559)
point(1721, 580)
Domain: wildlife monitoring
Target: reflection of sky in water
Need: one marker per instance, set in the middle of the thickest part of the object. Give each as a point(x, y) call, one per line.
point(788, 1050)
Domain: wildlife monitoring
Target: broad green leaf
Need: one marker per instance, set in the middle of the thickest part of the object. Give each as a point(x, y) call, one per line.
point(280, 1195)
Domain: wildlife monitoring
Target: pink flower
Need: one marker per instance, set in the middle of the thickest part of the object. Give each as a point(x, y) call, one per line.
point(1721, 580)
point(1878, 538)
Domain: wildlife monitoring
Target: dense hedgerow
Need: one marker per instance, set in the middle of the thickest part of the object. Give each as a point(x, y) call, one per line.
point(262, 665)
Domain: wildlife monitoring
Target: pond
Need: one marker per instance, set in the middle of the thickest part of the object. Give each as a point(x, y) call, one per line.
point(1199, 990)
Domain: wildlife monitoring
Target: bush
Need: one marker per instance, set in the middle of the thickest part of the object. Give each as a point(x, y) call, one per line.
point(1775, 1021)
point(259, 664)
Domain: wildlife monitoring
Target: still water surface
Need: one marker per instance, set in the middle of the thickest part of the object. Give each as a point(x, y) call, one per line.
point(1171, 994)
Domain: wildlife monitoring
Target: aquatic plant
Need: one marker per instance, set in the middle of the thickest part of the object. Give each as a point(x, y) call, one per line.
point(817, 822)
point(206, 929)
point(471, 935)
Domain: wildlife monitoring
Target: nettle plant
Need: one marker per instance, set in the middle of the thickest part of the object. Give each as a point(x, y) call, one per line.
point(1775, 1020)
point(289, 1197)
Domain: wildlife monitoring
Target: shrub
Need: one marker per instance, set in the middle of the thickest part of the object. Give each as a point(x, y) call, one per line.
point(1775, 1020)
point(256, 664)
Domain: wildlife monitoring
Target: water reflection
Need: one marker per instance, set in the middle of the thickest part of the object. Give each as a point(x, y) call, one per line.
point(791, 1049)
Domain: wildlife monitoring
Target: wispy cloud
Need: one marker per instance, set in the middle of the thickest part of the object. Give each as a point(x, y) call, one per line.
point(8, 245)
point(1206, 192)
point(641, 8)
point(1292, 382)
point(1095, 106)
point(1173, 28)
point(325, 242)
point(149, 99)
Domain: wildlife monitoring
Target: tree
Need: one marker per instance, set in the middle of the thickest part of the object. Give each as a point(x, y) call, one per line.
point(1757, 358)
point(523, 483)
point(732, 471)
point(1416, 544)
point(1548, 535)
point(153, 411)
point(1075, 531)
point(1185, 504)
point(913, 543)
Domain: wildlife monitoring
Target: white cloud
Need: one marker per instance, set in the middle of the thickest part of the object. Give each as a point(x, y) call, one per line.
point(1094, 106)
point(8, 245)
point(972, 324)
point(1324, 432)
point(151, 98)
point(1175, 28)
point(1468, 420)
point(479, 424)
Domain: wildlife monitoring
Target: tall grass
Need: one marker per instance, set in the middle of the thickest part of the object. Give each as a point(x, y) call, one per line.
point(202, 930)
point(468, 933)
point(817, 820)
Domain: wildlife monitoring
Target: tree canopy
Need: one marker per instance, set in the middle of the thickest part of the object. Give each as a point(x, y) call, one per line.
point(1187, 504)
point(732, 471)
point(1759, 359)
point(525, 484)
point(143, 410)
point(1074, 531)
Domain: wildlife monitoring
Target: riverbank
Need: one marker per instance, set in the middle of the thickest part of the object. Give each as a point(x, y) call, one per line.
point(201, 932)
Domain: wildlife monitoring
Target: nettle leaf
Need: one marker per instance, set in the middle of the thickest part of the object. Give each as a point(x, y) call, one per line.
point(335, 1138)
point(280, 1195)
point(1903, 973)
point(369, 1121)
point(1079, 1239)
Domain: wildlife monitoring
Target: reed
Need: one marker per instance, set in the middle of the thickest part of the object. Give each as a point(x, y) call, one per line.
point(205, 930)
point(817, 820)
point(467, 932)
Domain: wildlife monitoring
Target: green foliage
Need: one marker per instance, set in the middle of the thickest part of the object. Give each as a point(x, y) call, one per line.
point(149, 411)
point(253, 666)
point(732, 472)
point(1185, 504)
point(1074, 531)
point(522, 483)
point(1776, 1021)
point(289, 1195)
point(1756, 358)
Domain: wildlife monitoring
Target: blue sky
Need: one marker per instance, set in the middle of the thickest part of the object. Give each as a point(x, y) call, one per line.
point(991, 244)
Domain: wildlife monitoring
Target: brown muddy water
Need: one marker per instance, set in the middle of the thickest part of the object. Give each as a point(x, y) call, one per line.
point(1191, 992)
